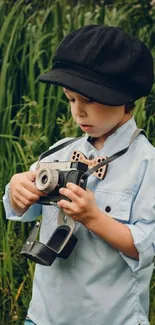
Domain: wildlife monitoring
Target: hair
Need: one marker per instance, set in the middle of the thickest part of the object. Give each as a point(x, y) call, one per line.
point(129, 107)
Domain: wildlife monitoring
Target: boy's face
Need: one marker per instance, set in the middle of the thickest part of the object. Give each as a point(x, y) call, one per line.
point(98, 120)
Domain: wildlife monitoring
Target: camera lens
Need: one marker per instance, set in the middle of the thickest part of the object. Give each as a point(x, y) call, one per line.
point(44, 179)
point(47, 179)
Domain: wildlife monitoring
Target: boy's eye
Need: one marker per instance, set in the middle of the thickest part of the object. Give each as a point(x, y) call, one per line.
point(71, 100)
point(87, 100)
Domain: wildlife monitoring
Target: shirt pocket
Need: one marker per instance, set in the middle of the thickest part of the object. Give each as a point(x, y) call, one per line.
point(115, 204)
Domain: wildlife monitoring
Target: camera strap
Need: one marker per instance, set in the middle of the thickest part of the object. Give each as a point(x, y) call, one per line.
point(57, 148)
point(105, 162)
point(111, 158)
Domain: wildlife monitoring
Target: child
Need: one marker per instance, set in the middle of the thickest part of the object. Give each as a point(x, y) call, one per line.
point(105, 281)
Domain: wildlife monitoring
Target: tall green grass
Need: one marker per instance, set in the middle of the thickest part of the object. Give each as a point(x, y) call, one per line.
point(29, 34)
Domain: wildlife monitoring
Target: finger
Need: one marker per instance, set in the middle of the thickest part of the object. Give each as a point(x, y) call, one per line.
point(69, 194)
point(76, 189)
point(22, 202)
point(60, 205)
point(32, 175)
point(28, 195)
point(64, 204)
point(68, 212)
point(32, 188)
point(25, 180)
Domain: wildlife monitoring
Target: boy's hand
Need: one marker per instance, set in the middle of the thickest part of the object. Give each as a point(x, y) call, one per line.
point(83, 207)
point(23, 192)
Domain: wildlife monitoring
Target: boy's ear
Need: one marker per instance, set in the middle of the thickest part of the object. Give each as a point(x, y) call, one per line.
point(129, 107)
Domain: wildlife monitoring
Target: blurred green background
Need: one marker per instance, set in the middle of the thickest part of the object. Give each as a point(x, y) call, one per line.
point(35, 115)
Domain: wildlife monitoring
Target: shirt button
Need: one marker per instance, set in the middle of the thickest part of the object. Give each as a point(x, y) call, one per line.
point(91, 157)
point(107, 209)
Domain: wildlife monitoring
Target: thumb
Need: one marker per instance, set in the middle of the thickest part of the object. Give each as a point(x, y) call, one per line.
point(32, 175)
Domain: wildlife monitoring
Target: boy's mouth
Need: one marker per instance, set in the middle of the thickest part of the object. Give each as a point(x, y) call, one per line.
point(85, 127)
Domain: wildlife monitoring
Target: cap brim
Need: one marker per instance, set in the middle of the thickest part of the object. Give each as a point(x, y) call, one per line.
point(87, 88)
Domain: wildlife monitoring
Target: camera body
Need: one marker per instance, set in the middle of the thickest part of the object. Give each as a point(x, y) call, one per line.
point(54, 175)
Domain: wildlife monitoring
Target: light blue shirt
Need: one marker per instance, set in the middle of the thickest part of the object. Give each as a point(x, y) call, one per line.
point(97, 284)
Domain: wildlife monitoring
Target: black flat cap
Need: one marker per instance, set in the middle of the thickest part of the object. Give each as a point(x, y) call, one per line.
point(103, 63)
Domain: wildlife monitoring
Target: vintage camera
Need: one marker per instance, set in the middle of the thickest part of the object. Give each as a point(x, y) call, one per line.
point(54, 175)
point(50, 178)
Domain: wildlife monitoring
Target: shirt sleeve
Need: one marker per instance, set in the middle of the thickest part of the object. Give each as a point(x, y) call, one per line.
point(142, 221)
point(30, 215)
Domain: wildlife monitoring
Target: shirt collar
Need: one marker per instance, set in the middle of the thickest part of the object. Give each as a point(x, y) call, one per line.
point(119, 139)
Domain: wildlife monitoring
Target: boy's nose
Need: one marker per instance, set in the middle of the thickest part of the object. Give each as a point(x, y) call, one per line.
point(79, 110)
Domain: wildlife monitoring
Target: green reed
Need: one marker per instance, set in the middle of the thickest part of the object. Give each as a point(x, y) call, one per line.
point(35, 115)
